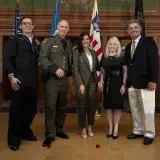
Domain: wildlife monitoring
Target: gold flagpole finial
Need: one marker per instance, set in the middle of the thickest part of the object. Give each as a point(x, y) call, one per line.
point(17, 1)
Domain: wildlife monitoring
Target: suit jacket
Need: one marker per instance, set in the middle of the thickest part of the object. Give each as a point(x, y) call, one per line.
point(81, 67)
point(21, 59)
point(143, 67)
point(52, 56)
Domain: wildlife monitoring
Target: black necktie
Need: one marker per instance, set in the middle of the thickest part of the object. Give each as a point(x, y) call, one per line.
point(64, 44)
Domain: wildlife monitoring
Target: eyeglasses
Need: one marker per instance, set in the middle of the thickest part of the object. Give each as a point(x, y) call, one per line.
point(132, 28)
point(27, 23)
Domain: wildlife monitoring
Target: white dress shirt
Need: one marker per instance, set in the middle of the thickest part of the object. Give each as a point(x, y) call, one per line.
point(136, 41)
point(31, 39)
point(89, 56)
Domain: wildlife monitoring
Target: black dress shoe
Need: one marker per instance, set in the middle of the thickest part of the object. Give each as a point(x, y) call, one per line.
point(14, 147)
point(134, 136)
point(62, 135)
point(48, 141)
point(109, 135)
point(29, 138)
point(148, 140)
point(115, 137)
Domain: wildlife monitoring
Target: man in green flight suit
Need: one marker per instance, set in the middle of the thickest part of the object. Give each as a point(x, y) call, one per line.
point(56, 60)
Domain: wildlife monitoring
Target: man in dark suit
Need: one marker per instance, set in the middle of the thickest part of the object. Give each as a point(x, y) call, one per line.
point(56, 60)
point(141, 56)
point(21, 61)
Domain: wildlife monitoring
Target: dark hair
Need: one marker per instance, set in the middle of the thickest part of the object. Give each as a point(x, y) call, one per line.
point(134, 21)
point(80, 39)
point(21, 20)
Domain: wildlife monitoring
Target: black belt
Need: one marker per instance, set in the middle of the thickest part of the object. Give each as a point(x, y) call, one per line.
point(114, 72)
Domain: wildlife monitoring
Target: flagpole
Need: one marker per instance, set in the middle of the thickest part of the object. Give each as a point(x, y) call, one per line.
point(95, 39)
point(97, 114)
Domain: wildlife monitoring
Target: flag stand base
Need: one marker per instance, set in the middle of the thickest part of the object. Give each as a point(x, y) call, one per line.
point(97, 114)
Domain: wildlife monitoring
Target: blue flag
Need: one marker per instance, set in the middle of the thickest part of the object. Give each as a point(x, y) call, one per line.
point(16, 28)
point(56, 19)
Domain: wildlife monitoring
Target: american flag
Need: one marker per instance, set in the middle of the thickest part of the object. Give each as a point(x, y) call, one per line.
point(95, 35)
point(16, 28)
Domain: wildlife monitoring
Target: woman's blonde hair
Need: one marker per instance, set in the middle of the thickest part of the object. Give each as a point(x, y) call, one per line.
point(119, 48)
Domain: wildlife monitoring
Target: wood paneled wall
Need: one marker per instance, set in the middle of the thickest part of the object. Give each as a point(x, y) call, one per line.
point(111, 24)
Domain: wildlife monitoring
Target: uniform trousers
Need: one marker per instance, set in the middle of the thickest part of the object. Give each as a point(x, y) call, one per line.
point(22, 112)
point(56, 91)
point(142, 104)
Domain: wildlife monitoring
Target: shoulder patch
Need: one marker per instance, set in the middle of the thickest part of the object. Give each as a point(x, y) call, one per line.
point(44, 41)
point(13, 37)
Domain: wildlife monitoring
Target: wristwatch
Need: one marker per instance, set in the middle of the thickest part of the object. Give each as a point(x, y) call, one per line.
point(11, 75)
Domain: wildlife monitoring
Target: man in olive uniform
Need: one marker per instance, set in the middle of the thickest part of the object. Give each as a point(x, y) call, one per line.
point(21, 61)
point(55, 59)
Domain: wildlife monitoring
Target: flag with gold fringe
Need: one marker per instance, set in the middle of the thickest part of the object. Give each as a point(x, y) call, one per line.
point(95, 34)
point(139, 14)
point(96, 42)
point(16, 28)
